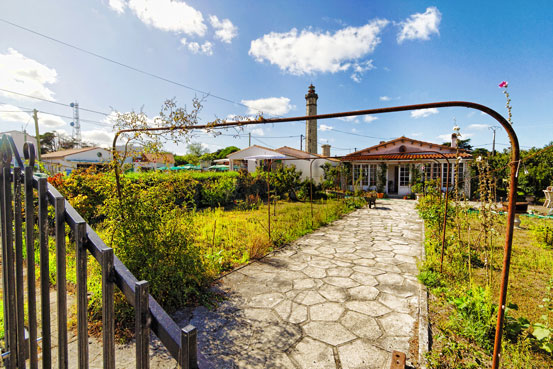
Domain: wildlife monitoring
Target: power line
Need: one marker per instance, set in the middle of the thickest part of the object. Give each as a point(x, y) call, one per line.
point(51, 101)
point(122, 64)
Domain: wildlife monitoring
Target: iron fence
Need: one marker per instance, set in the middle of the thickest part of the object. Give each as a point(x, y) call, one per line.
point(21, 193)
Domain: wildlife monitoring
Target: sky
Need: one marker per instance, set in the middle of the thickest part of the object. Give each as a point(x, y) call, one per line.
point(250, 57)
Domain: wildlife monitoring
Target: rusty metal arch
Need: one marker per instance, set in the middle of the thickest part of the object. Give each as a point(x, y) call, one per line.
point(515, 161)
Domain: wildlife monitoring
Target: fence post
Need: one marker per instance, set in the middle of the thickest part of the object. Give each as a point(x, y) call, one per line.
point(44, 273)
point(82, 298)
point(108, 321)
point(61, 282)
point(31, 274)
point(142, 324)
point(19, 281)
point(188, 358)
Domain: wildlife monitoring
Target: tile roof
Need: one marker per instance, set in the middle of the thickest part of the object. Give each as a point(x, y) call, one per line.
point(403, 139)
point(64, 153)
point(406, 156)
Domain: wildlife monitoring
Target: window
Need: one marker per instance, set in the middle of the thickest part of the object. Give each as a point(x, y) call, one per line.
point(404, 175)
point(356, 173)
point(435, 170)
point(459, 173)
point(372, 175)
point(444, 175)
point(365, 180)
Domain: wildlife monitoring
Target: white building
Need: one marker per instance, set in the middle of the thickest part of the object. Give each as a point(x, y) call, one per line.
point(66, 161)
point(19, 139)
point(286, 156)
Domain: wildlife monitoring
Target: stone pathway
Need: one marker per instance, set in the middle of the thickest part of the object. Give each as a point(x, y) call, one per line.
point(344, 296)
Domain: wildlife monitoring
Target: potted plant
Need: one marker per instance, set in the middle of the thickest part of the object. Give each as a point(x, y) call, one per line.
point(381, 181)
point(417, 189)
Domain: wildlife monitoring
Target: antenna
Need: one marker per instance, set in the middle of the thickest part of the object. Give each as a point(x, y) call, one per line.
point(76, 124)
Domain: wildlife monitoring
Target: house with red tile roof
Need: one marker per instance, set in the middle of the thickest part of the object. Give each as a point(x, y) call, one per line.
point(399, 162)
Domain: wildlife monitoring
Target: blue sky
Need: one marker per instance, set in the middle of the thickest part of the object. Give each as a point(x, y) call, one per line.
point(358, 54)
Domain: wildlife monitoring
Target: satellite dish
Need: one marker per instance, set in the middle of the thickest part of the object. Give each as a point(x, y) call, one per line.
point(99, 154)
point(72, 105)
point(72, 124)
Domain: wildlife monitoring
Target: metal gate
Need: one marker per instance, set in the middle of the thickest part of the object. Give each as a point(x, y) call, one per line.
point(21, 193)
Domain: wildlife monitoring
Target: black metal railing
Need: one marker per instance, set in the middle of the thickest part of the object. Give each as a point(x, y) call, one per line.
point(21, 342)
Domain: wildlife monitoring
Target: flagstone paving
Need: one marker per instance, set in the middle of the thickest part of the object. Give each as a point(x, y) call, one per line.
point(344, 297)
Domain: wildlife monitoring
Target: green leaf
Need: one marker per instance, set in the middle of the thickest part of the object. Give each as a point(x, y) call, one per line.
point(541, 332)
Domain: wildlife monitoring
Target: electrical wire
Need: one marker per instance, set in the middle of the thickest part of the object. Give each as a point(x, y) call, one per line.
point(51, 101)
point(123, 64)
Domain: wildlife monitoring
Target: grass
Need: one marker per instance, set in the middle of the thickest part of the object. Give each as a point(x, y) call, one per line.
point(234, 237)
point(455, 345)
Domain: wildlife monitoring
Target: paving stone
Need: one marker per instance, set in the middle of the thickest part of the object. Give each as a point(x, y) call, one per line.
point(266, 300)
point(399, 323)
point(331, 333)
point(329, 311)
point(362, 355)
point(341, 282)
point(370, 308)
point(307, 283)
point(309, 298)
point(400, 304)
point(390, 278)
point(291, 312)
point(314, 272)
point(363, 293)
point(310, 354)
point(339, 272)
point(332, 293)
point(364, 279)
point(361, 325)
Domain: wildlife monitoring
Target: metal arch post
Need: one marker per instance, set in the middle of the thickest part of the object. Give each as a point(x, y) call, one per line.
point(515, 158)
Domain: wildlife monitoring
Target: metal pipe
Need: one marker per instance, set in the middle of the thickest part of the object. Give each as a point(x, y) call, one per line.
point(515, 158)
point(311, 188)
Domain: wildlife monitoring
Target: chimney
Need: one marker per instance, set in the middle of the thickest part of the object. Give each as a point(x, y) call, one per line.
point(454, 140)
point(311, 124)
point(326, 150)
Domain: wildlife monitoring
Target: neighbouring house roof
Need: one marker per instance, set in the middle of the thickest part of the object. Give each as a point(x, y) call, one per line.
point(248, 148)
point(64, 153)
point(415, 150)
point(296, 153)
point(157, 158)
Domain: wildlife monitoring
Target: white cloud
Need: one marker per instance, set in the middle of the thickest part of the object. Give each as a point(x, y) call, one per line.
point(51, 121)
point(423, 113)
point(195, 48)
point(352, 119)
point(324, 127)
point(360, 68)
point(269, 105)
point(309, 52)
point(416, 134)
point(354, 130)
point(258, 132)
point(10, 113)
point(167, 15)
point(25, 75)
point(224, 29)
point(207, 48)
point(385, 98)
point(369, 118)
point(478, 126)
point(99, 137)
point(445, 137)
point(117, 5)
point(420, 26)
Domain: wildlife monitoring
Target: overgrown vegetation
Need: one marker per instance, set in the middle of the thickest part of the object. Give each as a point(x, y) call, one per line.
point(181, 230)
point(463, 307)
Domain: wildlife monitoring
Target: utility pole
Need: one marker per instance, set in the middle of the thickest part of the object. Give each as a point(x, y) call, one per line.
point(76, 124)
point(249, 139)
point(493, 128)
point(301, 142)
point(35, 117)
